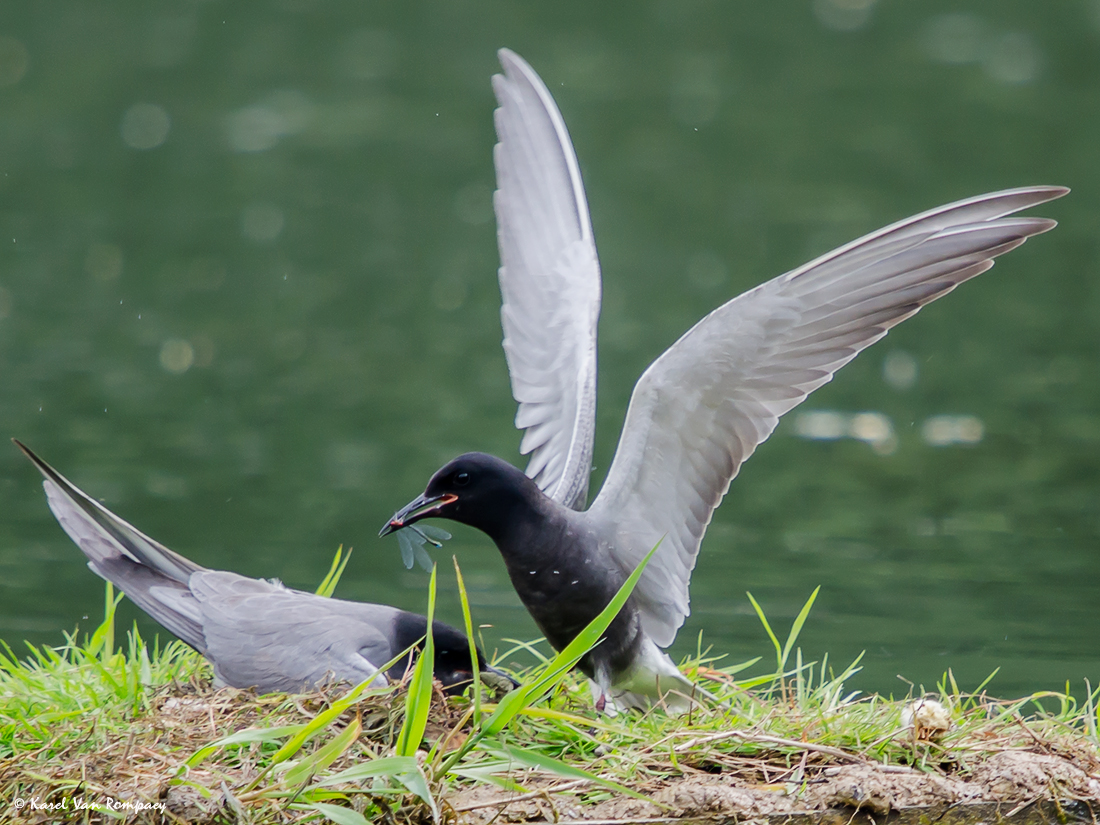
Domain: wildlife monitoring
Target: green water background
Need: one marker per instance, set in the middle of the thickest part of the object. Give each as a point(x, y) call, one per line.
point(248, 297)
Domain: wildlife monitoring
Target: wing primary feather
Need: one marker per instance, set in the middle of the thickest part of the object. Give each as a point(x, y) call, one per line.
point(128, 539)
point(549, 283)
point(701, 409)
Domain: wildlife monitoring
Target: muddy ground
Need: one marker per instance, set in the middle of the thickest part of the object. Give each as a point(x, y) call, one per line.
point(1007, 785)
point(1030, 779)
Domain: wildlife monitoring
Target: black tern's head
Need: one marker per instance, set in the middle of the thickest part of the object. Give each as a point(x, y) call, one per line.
point(475, 489)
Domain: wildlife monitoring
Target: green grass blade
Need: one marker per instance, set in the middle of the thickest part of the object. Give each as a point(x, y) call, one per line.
point(561, 664)
point(324, 756)
point(1094, 718)
point(328, 584)
point(796, 628)
point(244, 737)
point(771, 634)
point(419, 699)
point(392, 766)
point(526, 646)
point(334, 813)
point(103, 639)
point(321, 720)
point(469, 624)
point(540, 761)
point(491, 771)
point(553, 672)
point(985, 681)
point(403, 769)
point(417, 783)
point(731, 670)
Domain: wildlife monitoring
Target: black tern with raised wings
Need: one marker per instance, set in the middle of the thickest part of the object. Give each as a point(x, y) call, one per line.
point(255, 633)
point(696, 413)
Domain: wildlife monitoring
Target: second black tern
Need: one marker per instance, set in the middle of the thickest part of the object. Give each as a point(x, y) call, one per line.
point(255, 633)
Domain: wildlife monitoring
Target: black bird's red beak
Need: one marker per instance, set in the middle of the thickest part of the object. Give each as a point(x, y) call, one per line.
point(422, 506)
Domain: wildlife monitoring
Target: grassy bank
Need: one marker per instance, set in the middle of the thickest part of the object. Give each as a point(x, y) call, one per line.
point(98, 732)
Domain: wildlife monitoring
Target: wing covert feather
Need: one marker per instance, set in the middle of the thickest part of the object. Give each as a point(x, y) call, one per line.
point(261, 633)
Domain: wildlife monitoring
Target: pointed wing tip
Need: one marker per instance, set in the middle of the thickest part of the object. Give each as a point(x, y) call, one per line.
point(1034, 195)
point(1047, 189)
point(518, 70)
point(1042, 225)
point(41, 465)
point(509, 60)
point(1047, 193)
point(1011, 200)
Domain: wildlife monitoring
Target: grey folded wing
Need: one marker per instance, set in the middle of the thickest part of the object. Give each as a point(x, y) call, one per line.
point(261, 634)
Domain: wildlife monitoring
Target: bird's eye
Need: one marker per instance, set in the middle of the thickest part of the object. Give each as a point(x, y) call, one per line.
point(461, 479)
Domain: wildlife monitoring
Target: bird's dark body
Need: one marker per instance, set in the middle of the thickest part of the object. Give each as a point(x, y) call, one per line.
point(561, 572)
point(564, 581)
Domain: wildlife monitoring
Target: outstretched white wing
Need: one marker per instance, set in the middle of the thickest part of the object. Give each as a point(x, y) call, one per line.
point(549, 282)
point(713, 396)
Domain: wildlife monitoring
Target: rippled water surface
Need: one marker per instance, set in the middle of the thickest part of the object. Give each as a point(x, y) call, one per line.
point(248, 298)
